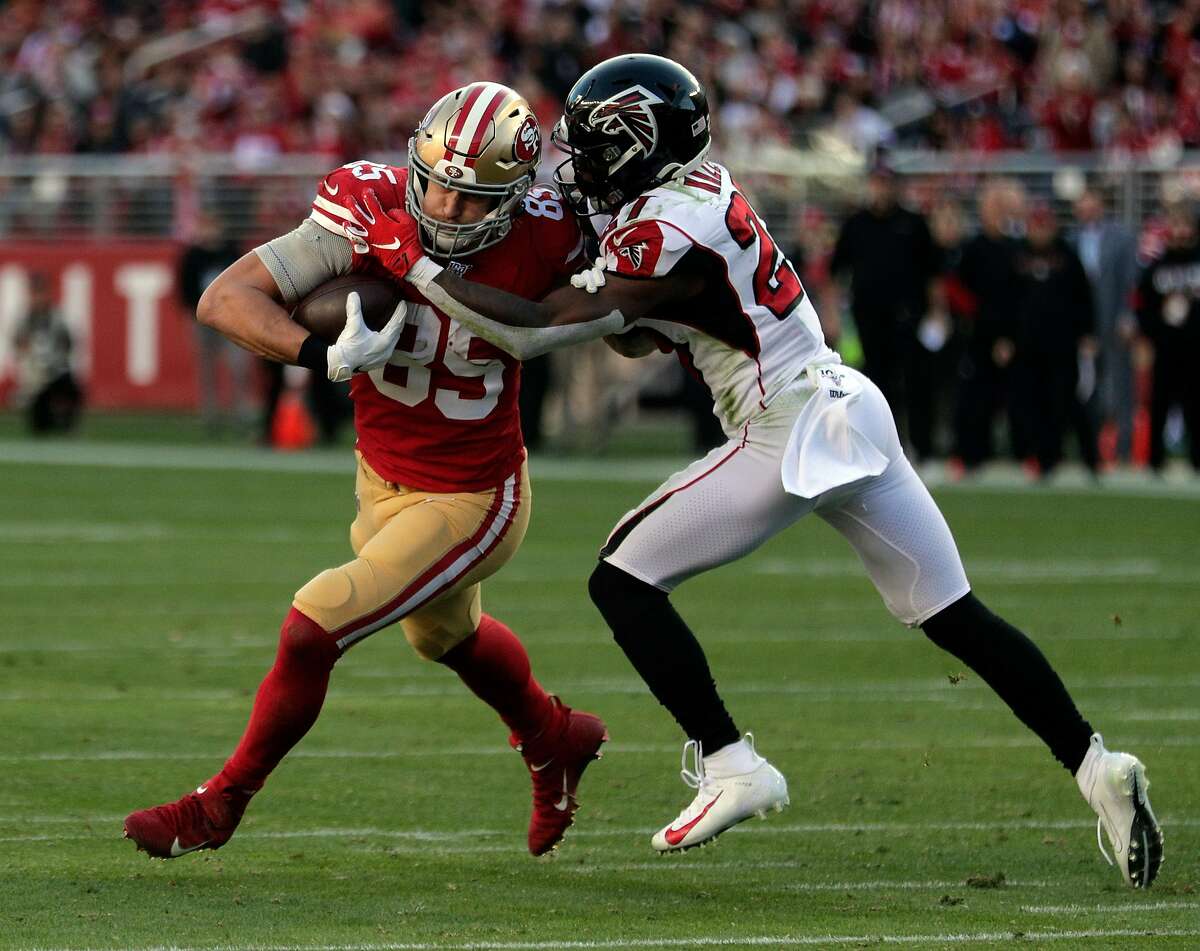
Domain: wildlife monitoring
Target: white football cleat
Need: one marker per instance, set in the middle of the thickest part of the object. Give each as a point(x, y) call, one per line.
point(721, 801)
point(1114, 784)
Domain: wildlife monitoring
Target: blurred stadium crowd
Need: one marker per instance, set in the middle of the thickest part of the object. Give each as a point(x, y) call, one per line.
point(262, 77)
point(977, 307)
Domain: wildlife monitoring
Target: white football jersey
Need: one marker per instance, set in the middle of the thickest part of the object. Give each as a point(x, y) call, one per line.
point(754, 331)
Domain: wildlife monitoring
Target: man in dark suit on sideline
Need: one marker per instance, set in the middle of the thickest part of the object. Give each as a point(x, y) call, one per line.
point(1108, 251)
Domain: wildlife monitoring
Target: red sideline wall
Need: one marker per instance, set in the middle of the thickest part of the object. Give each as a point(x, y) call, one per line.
point(134, 345)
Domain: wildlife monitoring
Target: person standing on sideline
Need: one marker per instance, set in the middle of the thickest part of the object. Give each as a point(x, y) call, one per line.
point(937, 333)
point(889, 257)
point(1108, 251)
point(1169, 315)
point(43, 344)
point(209, 253)
point(987, 278)
point(1054, 346)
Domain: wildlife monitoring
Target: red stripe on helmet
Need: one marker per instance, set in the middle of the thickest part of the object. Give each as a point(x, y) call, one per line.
point(452, 138)
point(484, 120)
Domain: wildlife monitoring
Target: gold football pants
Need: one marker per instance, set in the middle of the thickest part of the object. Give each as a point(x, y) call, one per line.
point(420, 559)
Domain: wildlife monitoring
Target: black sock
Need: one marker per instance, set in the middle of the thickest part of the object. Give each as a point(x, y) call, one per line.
point(1011, 664)
point(665, 653)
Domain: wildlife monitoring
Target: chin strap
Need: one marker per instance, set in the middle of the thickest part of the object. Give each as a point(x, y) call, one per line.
point(678, 171)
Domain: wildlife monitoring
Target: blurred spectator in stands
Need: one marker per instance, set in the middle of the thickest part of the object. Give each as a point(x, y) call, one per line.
point(858, 126)
point(979, 74)
point(1108, 252)
point(887, 254)
point(1054, 358)
point(47, 387)
point(1169, 316)
point(987, 278)
point(206, 256)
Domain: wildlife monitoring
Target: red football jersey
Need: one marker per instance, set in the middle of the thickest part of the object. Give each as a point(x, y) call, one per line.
point(441, 416)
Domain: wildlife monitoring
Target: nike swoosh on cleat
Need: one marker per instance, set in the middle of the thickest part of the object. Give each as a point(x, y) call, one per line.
point(563, 803)
point(391, 245)
point(675, 836)
point(332, 189)
point(178, 850)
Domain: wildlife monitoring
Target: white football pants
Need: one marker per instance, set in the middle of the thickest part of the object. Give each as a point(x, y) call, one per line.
point(728, 503)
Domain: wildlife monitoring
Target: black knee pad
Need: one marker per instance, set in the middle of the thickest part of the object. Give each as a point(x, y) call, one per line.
point(619, 595)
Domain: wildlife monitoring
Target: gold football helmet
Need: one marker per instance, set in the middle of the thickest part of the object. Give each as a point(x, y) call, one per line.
point(482, 139)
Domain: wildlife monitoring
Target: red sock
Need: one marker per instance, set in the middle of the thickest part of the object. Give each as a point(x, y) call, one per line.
point(287, 703)
point(493, 663)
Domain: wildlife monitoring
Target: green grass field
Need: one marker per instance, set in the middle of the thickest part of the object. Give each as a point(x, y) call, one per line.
point(140, 610)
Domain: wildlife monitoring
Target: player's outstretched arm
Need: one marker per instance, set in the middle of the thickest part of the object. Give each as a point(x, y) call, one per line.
point(563, 318)
point(523, 328)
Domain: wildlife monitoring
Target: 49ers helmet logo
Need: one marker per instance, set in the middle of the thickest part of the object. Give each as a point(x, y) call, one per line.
point(528, 144)
point(629, 111)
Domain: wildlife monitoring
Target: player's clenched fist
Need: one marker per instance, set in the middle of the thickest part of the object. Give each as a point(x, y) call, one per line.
point(358, 347)
point(390, 237)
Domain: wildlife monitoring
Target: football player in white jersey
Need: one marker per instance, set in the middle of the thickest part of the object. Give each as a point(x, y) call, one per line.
point(687, 265)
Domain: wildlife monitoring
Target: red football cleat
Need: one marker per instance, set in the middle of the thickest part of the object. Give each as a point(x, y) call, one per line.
point(204, 819)
point(556, 760)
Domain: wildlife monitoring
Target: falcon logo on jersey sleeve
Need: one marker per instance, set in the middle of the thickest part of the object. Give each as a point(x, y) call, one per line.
point(629, 110)
point(635, 251)
point(633, 254)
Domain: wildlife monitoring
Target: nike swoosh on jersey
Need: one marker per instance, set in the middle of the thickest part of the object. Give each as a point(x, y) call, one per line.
point(202, 789)
point(178, 850)
point(563, 803)
point(532, 768)
point(391, 245)
point(332, 189)
point(675, 836)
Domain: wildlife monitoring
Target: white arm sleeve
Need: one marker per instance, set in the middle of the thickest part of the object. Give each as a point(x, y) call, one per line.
point(304, 259)
point(522, 342)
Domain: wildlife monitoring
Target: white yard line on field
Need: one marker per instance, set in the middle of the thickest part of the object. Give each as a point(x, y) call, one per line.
point(995, 480)
point(1036, 572)
point(617, 749)
point(1134, 907)
point(1011, 573)
point(937, 688)
point(766, 828)
point(1027, 938)
point(672, 864)
point(886, 634)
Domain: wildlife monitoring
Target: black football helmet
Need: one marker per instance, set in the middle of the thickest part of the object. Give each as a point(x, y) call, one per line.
point(630, 124)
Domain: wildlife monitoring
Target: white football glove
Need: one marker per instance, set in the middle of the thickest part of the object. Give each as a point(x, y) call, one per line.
point(591, 279)
point(358, 347)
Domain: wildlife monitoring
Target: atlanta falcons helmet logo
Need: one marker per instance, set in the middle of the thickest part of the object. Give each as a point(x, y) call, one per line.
point(629, 111)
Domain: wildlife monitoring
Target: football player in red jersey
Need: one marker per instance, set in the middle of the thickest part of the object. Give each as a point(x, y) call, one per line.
point(442, 487)
point(688, 265)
